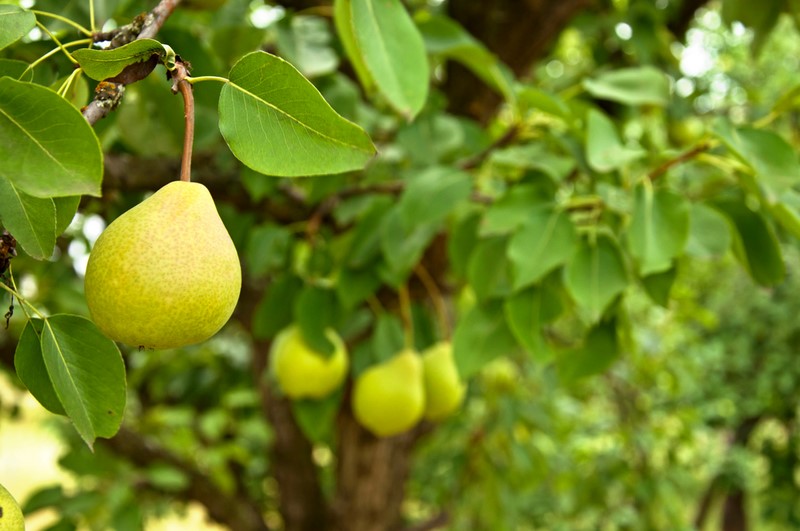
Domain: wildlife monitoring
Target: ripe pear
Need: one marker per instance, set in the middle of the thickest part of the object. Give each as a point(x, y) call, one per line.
point(165, 274)
point(301, 371)
point(444, 390)
point(11, 518)
point(389, 398)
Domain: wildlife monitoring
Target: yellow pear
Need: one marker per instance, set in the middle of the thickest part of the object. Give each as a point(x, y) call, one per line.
point(444, 390)
point(164, 274)
point(389, 398)
point(302, 372)
point(11, 518)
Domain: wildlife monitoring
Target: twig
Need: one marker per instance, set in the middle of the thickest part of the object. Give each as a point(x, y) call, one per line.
point(100, 107)
point(680, 159)
point(475, 161)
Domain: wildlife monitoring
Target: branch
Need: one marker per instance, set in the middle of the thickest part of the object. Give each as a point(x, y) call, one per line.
point(235, 511)
point(108, 97)
point(507, 138)
point(680, 159)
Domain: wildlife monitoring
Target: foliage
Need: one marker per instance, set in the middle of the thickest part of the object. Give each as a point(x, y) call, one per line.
point(577, 248)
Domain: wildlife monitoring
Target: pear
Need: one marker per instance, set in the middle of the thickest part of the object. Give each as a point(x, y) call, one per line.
point(11, 518)
point(301, 371)
point(165, 274)
point(444, 390)
point(389, 398)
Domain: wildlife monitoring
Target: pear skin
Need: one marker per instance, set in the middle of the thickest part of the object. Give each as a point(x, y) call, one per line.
point(165, 274)
point(11, 518)
point(389, 398)
point(444, 390)
point(303, 373)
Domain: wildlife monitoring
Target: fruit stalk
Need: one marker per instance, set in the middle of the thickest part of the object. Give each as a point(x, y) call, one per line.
point(185, 88)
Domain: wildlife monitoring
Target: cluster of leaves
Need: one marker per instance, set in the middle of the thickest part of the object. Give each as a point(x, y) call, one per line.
point(540, 225)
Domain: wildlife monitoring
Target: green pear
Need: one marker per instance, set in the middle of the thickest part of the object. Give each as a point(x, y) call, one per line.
point(11, 518)
point(164, 274)
point(444, 390)
point(300, 370)
point(389, 398)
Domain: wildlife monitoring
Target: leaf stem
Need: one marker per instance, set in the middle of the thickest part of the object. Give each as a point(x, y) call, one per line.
point(91, 16)
point(62, 91)
point(65, 20)
point(200, 79)
point(58, 42)
point(22, 300)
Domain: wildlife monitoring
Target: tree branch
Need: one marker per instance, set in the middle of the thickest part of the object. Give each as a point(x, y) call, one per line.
point(680, 159)
point(108, 97)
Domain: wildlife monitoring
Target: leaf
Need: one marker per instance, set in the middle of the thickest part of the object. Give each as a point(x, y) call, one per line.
point(599, 350)
point(488, 270)
point(277, 123)
point(512, 209)
point(388, 338)
point(66, 207)
point(644, 85)
point(546, 241)
point(480, 336)
point(445, 37)
point(273, 313)
point(267, 249)
point(760, 17)
point(596, 275)
point(772, 158)
point(15, 23)
point(32, 220)
point(709, 232)
point(316, 418)
point(305, 41)
point(754, 242)
point(390, 48)
point(29, 363)
point(604, 149)
point(787, 212)
point(104, 64)
point(535, 156)
point(430, 195)
point(526, 311)
point(659, 228)
point(87, 373)
point(47, 147)
point(659, 285)
point(402, 246)
point(15, 68)
point(314, 312)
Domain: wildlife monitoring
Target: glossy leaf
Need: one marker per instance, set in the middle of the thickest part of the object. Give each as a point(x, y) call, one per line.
point(277, 123)
point(104, 64)
point(445, 37)
point(32, 220)
point(29, 363)
point(513, 209)
point(272, 313)
point(15, 23)
point(659, 285)
point(546, 241)
point(383, 42)
point(47, 147)
point(644, 85)
point(430, 195)
point(314, 312)
point(604, 149)
point(596, 275)
point(88, 374)
point(489, 271)
point(754, 242)
point(527, 310)
point(480, 336)
point(659, 228)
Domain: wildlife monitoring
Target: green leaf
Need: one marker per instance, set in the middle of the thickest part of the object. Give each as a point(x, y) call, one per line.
point(388, 338)
point(659, 285)
point(488, 271)
point(88, 374)
point(787, 212)
point(317, 418)
point(773, 160)
point(445, 37)
point(273, 313)
point(29, 363)
point(305, 41)
point(104, 64)
point(430, 195)
point(535, 156)
point(277, 123)
point(760, 17)
point(354, 286)
point(390, 48)
point(15, 23)
point(527, 310)
point(480, 336)
point(32, 220)
point(709, 232)
point(512, 209)
point(47, 147)
point(546, 241)
point(754, 242)
point(659, 228)
point(267, 249)
point(66, 207)
point(604, 149)
point(599, 350)
point(402, 246)
point(314, 312)
point(643, 85)
point(596, 275)
point(15, 68)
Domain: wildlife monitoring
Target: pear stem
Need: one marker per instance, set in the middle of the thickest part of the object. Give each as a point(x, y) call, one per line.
point(405, 315)
point(180, 84)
